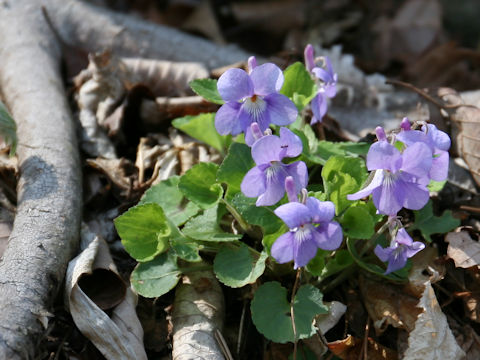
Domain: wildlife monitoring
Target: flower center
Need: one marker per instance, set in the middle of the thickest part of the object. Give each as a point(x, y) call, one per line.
point(273, 170)
point(398, 251)
point(303, 232)
point(255, 106)
point(389, 178)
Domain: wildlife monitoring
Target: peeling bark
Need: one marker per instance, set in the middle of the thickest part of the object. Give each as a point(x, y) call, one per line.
point(46, 227)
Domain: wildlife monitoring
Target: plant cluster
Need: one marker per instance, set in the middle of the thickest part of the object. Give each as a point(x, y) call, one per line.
point(264, 205)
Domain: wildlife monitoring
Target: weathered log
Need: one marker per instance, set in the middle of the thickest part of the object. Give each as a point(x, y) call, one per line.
point(46, 227)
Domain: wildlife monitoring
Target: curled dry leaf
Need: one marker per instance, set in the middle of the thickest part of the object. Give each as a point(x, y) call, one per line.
point(466, 129)
point(464, 251)
point(121, 173)
point(168, 156)
point(351, 348)
point(117, 337)
point(388, 305)
point(425, 267)
point(324, 323)
point(468, 340)
point(432, 338)
point(165, 78)
point(108, 80)
point(198, 312)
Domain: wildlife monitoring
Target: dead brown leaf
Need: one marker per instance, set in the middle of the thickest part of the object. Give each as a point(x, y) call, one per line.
point(464, 251)
point(415, 27)
point(426, 266)
point(447, 63)
point(466, 129)
point(351, 348)
point(388, 305)
point(432, 338)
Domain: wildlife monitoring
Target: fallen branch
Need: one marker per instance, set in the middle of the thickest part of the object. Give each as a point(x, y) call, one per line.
point(198, 313)
point(95, 29)
point(46, 227)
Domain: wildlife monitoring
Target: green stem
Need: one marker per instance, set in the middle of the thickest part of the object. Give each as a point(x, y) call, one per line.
point(371, 242)
point(344, 275)
point(241, 221)
point(292, 313)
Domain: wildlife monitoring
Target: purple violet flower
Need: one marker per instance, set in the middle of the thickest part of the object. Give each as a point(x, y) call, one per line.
point(252, 98)
point(401, 248)
point(311, 227)
point(267, 179)
point(438, 142)
point(326, 89)
point(400, 179)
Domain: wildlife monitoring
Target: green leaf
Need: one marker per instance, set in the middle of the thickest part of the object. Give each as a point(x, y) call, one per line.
point(171, 199)
point(199, 185)
point(298, 85)
point(234, 167)
point(357, 222)
point(185, 248)
point(235, 266)
point(339, 262)
point(271, 311)
point(143, 230)
point(269, 239)
point(399, 276)
point(8, 129)
point(429, 224)
point(342, 176)
point(207, 88)
point(326, 149)
point(316, 265)
point(436, 186)
point(157, 277)
point(206, 226)
point(202, 127)
point(256, 215)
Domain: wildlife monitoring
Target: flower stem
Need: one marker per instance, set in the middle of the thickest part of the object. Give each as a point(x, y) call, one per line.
point(371, 242)
point(241, 221)
point(292, 301)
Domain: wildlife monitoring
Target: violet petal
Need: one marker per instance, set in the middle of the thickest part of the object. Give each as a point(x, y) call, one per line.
point(267, 79)
point(383, 155)
point(282, 248)
point(328, 236)
point(226, 119)
point(281, 110)
point(253, 183)
point(322, 211)
point(267, 149)
point(293, 214)
point(234, 85)
point(291, 141)
point(375, 183)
